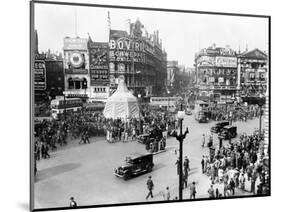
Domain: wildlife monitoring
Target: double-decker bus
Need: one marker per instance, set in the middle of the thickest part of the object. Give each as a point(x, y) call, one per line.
point(169, 103)
point(59, 105)
point(200, 111)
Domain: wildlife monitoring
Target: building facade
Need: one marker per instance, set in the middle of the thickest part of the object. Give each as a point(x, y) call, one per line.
point(216, 72)
point(172, 76)
point(252, 72)
point(139, 59)
point(48, 74)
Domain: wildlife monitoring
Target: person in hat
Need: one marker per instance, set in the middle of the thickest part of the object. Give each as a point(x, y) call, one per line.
point(150, 186)
point(203, 141)
point(73, 203)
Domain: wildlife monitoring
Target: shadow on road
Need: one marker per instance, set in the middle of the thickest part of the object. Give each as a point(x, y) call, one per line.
point(56, 170)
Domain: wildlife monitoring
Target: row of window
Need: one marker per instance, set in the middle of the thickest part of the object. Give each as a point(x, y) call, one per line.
point(218, 71)
point(99, 90)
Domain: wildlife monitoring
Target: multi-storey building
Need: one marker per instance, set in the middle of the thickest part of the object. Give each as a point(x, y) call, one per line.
point(252, 73)
point(138, 58)
point(48, 74)
point(216, 72)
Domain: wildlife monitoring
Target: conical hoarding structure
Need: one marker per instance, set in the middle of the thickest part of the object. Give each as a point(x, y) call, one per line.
point(122, 104)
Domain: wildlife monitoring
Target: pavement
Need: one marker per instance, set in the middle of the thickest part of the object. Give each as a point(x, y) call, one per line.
point(85, 171)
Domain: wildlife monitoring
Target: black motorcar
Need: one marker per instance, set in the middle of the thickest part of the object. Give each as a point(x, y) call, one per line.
point(219, 126)
point(228, 132)
point(150, 135)
point(135, 165)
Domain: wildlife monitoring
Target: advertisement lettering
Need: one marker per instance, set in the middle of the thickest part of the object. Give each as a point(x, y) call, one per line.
point(226, 62)
point(206, 61)
point(39, 75)
point(98, 63)
point(75, 44)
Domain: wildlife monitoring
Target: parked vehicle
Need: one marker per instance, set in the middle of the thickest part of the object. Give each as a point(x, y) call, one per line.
point(228, 132)
point(219, 126)
point(135, 165)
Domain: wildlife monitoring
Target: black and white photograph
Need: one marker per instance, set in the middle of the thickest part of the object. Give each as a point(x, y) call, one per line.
point(133, 105)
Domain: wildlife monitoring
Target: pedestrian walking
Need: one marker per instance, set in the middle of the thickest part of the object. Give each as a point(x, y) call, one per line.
point(178, 166)
point(203, 141)
point(87, 137)
point(202, 164)
point(185, 179)
point(242, 181)
point(232, 186)
point(167, 194)
point(43, 155)
point(47, 151)
point(150, 186)
point(217, 193)
point(211, 192)
point(192, 190)
point(186, 167)
point(73, 203)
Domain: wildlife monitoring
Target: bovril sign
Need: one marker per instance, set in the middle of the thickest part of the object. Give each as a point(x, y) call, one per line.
point(126, 44)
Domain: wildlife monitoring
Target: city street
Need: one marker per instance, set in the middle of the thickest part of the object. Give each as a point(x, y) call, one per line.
point(85, 171)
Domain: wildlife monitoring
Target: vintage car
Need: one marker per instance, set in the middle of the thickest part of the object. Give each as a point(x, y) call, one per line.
point(135, 165)
point(144, 138)
point(219, 126)
point(154, 133)
point(228, 132)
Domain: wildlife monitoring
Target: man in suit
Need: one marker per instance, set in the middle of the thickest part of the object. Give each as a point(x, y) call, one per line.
point(150, 186)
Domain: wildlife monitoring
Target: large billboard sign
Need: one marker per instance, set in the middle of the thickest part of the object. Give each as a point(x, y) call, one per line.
point(39, 75)
point(75, 44)
point(98, 59)
point(230, 62)
point(206, 61)
point(126, 49)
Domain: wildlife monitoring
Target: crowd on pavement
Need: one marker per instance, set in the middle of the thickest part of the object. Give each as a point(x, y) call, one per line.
point(234, 165)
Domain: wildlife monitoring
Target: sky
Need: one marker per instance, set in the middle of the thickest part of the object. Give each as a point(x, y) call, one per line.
point(182, 34)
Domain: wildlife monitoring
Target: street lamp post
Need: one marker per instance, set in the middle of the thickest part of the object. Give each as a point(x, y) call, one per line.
point(139, 100)
point(180, 138)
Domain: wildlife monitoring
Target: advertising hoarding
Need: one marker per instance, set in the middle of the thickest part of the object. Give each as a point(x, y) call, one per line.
point(230, 62)
point(206, 61)
point(98, 63)
point(126, 49)
point(75, 44)
point(39, 75)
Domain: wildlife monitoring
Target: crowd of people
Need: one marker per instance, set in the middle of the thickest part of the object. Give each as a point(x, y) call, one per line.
point(233, 165)
point(82, 125)
point(233, 112)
